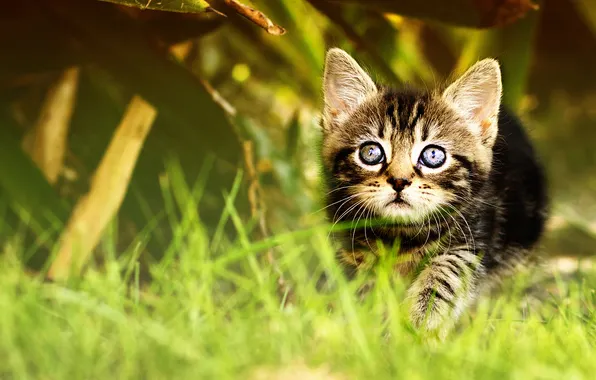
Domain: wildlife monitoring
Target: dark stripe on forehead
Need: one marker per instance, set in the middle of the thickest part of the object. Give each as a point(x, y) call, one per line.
point(425, 130)
point(411, 108)
point(390, 113)
point(418, 113)
point(406, 105)
point(403, 106)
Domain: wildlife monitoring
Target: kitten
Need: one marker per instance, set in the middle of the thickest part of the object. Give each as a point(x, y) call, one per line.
point(450, 173)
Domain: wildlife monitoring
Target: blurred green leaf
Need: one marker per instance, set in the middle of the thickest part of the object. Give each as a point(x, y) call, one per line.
point(518, 40)
point(474, 45)
point(334, 13)
point(305, 47)
point(587, 9)
point(165, 5)
point(29, 193)
point(479, 14)
point(292, 137)
point(298, 55)
point(511, 45)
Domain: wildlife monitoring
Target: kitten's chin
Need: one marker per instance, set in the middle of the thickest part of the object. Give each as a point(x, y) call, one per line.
point(404, 209)
point(403, 213)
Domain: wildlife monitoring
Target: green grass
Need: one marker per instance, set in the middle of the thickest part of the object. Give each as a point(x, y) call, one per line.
point(213, 311)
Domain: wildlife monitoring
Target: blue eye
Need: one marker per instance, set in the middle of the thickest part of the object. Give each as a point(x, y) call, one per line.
point(432, 156)
point(371, 153)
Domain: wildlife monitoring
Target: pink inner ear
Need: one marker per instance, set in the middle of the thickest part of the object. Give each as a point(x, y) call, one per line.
point(338, 103)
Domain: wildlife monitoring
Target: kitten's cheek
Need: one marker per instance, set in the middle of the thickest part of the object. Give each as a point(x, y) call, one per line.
point(415, 203)
point(410, 198)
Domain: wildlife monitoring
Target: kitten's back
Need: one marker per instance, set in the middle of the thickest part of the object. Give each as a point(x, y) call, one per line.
point(519, 186)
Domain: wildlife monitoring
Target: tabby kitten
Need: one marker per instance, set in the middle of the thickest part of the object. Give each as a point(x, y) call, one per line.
point(450, 173)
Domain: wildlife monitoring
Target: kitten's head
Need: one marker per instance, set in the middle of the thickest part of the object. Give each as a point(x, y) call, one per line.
point(404, 155)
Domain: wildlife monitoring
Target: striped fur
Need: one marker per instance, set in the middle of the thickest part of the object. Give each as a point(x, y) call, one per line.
point(468, 221)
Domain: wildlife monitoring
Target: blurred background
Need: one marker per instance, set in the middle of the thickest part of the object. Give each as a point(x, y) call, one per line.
point(118, 117)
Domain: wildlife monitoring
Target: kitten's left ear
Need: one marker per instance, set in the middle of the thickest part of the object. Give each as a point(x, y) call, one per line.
point(477, 97)
point(345, 86)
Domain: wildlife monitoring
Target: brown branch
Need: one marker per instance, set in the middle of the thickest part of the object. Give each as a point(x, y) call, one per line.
point(218, 99)
point(46, 141)
point(257, 210)
point(183, 53)
point(94, 211)
point(254, 15)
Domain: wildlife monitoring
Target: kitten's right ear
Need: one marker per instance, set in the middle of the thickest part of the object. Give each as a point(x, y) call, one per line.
point(345, 86)
point(477, 97)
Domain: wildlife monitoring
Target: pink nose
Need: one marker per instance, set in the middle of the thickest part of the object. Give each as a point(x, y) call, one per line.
point(399, 184)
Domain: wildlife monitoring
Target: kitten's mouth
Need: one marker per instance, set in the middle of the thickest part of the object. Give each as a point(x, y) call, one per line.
point(398, 200)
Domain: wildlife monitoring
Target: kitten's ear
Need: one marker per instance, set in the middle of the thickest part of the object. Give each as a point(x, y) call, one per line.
point(476, 95)
point(345, 86)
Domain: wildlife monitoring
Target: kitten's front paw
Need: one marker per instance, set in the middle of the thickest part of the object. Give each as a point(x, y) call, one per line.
point(442, 291)
point(431, 313)
point(436, 301)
